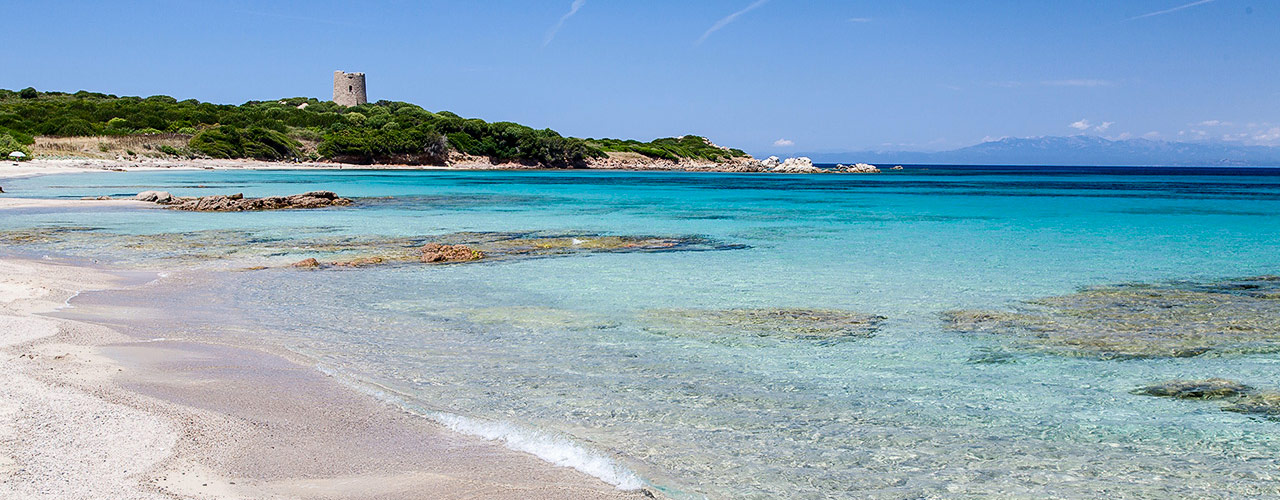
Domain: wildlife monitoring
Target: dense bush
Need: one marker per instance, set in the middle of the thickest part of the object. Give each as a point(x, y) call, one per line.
point(8, 144)
point(384, 131)
point(671, 148)
point(226, 141)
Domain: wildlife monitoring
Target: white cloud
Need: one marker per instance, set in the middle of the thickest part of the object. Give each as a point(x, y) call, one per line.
point(1175, 9)
point(729, 19)
point(860, 19)
point(1078, 82)
point(1123, 136)
point(1270, 137)
point(1104, 126)
point(1081, 125)
point(992, 138)
point(1216, 123)
point(1152, 135)
point(782, 143)
point(573, 9)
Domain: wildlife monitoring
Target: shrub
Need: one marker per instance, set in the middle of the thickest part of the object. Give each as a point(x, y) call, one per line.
point(8, 144)
point(28, 93)
point(260, 143)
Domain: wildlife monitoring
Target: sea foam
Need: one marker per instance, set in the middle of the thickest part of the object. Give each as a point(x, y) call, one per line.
point(550, 447)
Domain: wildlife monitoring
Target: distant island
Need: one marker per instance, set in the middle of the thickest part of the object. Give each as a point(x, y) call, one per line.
point(1075, 150)
point(100, 125)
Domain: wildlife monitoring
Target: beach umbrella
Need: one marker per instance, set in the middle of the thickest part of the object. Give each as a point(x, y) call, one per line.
point(17, 154)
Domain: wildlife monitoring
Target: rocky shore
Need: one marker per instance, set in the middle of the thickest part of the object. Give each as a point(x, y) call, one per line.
point(238, 203)
point(772, 164)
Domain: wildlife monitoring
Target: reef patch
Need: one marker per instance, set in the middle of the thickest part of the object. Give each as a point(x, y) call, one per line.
point(1168, 320)
point(822, 325)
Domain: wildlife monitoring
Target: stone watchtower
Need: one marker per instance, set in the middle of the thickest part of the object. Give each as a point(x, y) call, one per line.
point(348, 89)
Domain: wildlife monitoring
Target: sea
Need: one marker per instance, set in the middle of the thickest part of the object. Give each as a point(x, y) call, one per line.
point(643, 365)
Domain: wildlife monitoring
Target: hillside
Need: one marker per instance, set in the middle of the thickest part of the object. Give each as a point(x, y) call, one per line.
point(1076, 150)
point(301, 128)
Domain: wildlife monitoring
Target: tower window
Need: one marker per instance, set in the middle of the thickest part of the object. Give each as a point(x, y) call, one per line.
point(350, 88)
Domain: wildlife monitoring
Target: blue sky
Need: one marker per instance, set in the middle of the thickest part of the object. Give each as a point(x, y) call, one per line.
point(770, 76)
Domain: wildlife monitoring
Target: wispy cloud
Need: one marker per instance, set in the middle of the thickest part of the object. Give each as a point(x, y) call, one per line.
point(1078, 82)
point(1175, 9)
point(1085, 124)
point(729, 19)
point(860, 19)
point(782, 143)
point(573, 9)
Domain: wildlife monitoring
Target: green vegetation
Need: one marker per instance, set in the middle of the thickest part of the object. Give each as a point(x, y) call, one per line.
point(671, 148)
point(307, 128)
point(8, 145)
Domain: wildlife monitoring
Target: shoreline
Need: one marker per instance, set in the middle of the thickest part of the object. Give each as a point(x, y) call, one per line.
point(89, 412)
point(617, 162)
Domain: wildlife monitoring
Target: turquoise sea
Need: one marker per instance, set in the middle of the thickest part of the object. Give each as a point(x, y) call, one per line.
point(570, 357)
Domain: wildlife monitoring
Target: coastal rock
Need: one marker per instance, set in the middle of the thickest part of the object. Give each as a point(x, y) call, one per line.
point(801, 165)
point(1210, 388)
point(435, 252)
point(857, 168)
point(359, 262)
point(97, 198)
point(161, 197)
point(1182, 319)
point(771, 162)
point(896, 167)
point(306, 263)
point(238, 203)
point(801, 324)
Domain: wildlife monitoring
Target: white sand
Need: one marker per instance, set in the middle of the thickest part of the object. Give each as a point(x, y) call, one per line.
point(88, 413)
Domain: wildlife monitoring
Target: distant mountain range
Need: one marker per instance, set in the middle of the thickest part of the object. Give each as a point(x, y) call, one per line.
point(1074, 150)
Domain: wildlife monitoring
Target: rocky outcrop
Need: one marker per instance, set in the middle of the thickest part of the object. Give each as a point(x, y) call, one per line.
point(801, 165)
point(858, 168)
point(238, 203)
point(1163, 320)
point(161, 197)
point(306, 263)
point(437, 253)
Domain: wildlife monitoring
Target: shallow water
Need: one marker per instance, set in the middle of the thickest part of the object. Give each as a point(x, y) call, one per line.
point(564, 354)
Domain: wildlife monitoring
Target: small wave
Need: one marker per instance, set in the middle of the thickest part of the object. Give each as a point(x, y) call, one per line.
point(549, 447)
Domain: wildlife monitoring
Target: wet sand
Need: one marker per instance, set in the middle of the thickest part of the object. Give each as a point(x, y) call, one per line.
point(87, 412)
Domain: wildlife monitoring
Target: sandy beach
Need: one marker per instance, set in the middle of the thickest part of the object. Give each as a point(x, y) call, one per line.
point(87, 412)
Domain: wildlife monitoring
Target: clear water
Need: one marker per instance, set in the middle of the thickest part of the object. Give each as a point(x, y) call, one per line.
point(558, 355)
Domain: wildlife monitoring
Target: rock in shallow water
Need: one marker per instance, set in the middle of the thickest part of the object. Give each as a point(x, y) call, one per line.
point(804, 324)
point(435, 252)
point(1240, 398)
point(1182, 319)
point(1210, 388)
point(238, 203)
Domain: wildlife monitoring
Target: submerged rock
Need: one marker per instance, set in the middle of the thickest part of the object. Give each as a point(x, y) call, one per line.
point(1141, 321)
point(805, 324)
point(238, 203)
point(1259, 403)
point(1210, 388)
point(435, 252)
point(1238, 398)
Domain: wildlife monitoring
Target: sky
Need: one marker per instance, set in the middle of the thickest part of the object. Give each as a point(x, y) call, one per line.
point(767, 76)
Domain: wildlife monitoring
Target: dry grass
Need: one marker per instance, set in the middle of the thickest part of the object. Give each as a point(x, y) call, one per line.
point(110, 147)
